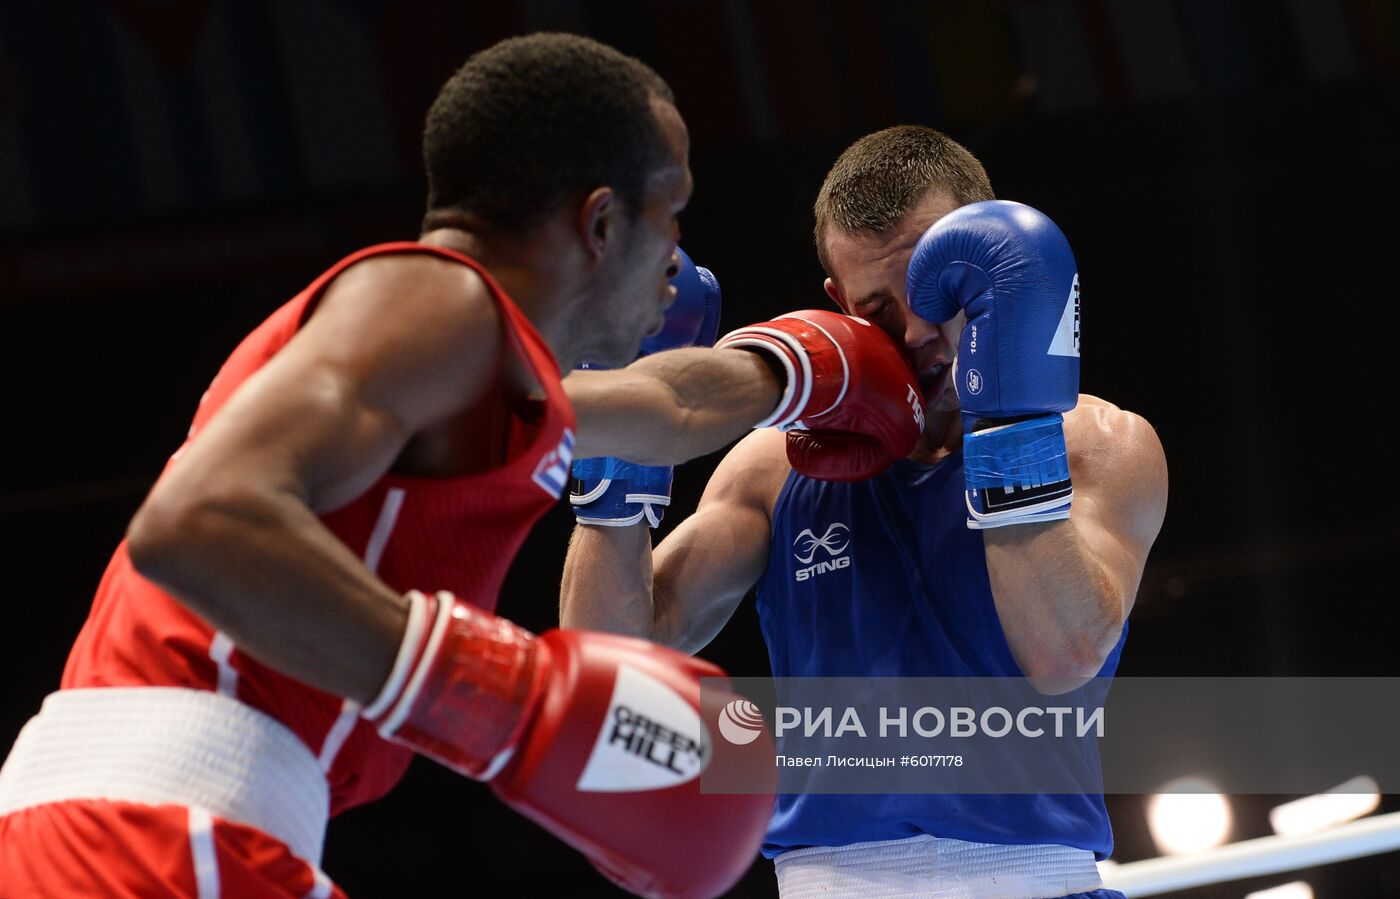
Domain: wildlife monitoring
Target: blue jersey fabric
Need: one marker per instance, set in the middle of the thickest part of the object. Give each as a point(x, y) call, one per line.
point(883, 578)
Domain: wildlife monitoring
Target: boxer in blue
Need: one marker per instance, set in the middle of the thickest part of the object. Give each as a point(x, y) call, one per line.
point(1010, 542)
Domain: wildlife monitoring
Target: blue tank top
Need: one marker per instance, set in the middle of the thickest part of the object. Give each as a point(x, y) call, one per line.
point(883, 578)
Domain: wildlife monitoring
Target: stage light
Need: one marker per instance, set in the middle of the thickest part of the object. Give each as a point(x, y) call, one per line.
point(1358, 796)
point(1188, 815)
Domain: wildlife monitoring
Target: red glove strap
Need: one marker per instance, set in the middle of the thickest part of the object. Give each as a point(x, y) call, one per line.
point(797, 375)
point(815, 367)
point(474, 678)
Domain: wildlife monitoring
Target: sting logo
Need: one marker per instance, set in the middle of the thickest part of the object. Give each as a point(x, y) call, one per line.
point(835, 542)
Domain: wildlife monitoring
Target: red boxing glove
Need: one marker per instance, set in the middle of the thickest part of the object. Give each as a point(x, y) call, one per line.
point(597, 738)
point(852, 405)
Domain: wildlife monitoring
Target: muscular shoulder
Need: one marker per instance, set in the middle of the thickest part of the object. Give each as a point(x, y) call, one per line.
point(1101, 432)
point(418, 287)
point(1117, 462)
point(415, 333)
point(752, 474)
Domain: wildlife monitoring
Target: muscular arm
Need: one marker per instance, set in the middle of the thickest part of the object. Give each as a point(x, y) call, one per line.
point(1063, 589)
point(231, 529)
point(673, 406)
point(685, 591)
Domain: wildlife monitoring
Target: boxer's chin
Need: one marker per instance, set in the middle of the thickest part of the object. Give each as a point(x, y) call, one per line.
point(943, 404)
point(939, 395)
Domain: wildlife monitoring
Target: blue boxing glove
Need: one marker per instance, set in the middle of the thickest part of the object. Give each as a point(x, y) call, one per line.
point(613, 493)
point(1010, 269)
point(693, 319)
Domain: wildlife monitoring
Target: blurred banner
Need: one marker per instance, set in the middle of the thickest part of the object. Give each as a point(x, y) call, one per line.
point(124, 107)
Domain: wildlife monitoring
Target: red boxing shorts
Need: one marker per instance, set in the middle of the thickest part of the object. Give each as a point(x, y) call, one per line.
point(160, 792)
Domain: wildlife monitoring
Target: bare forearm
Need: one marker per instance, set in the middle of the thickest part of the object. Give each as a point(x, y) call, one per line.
point(674, 406)
point(607, 581)
point(288, 593)
point(1060, 606)
point(721, 393)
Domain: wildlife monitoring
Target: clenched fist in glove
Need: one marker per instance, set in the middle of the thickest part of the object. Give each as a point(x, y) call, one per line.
point(1010, 270)
point(595, 737)
point(852, 405)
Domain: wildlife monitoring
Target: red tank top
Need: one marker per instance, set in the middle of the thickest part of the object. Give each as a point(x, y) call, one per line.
point(458, 534)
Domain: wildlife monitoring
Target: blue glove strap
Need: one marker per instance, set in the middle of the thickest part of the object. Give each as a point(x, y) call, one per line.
point(1017, 473)
point(614, 493)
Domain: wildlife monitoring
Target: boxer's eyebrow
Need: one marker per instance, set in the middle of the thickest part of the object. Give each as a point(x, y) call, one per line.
point(875, 296)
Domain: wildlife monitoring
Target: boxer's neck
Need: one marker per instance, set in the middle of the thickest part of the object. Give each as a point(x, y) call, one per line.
point(943, 434)
point(534, 270)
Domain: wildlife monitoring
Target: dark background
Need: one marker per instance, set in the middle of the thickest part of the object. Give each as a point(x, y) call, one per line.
point(1226, 170)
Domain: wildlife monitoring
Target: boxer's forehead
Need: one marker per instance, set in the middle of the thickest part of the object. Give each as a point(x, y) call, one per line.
point(863, 262)
point(672, 179)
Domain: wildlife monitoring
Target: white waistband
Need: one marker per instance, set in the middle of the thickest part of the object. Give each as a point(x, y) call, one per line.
point(167, 745)
point(935, 868)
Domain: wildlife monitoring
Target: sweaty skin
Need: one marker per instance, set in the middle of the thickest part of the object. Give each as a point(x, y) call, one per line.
point(1062, 589)
point(402, 368)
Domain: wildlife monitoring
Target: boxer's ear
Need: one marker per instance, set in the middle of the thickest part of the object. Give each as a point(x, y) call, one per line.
point(596, 220)
point(833, 290)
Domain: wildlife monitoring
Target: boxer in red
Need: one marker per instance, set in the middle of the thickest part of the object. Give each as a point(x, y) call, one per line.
point(305, 597)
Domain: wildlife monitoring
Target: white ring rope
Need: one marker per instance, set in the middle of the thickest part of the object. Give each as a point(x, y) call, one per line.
point(1252, 858)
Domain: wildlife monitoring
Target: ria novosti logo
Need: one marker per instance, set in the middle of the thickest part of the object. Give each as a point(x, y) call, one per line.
point(740, 722)
point(834, 542)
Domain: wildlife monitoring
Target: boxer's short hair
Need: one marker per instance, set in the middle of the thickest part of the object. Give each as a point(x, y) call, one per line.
point(531, 121)
point(883, 175)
